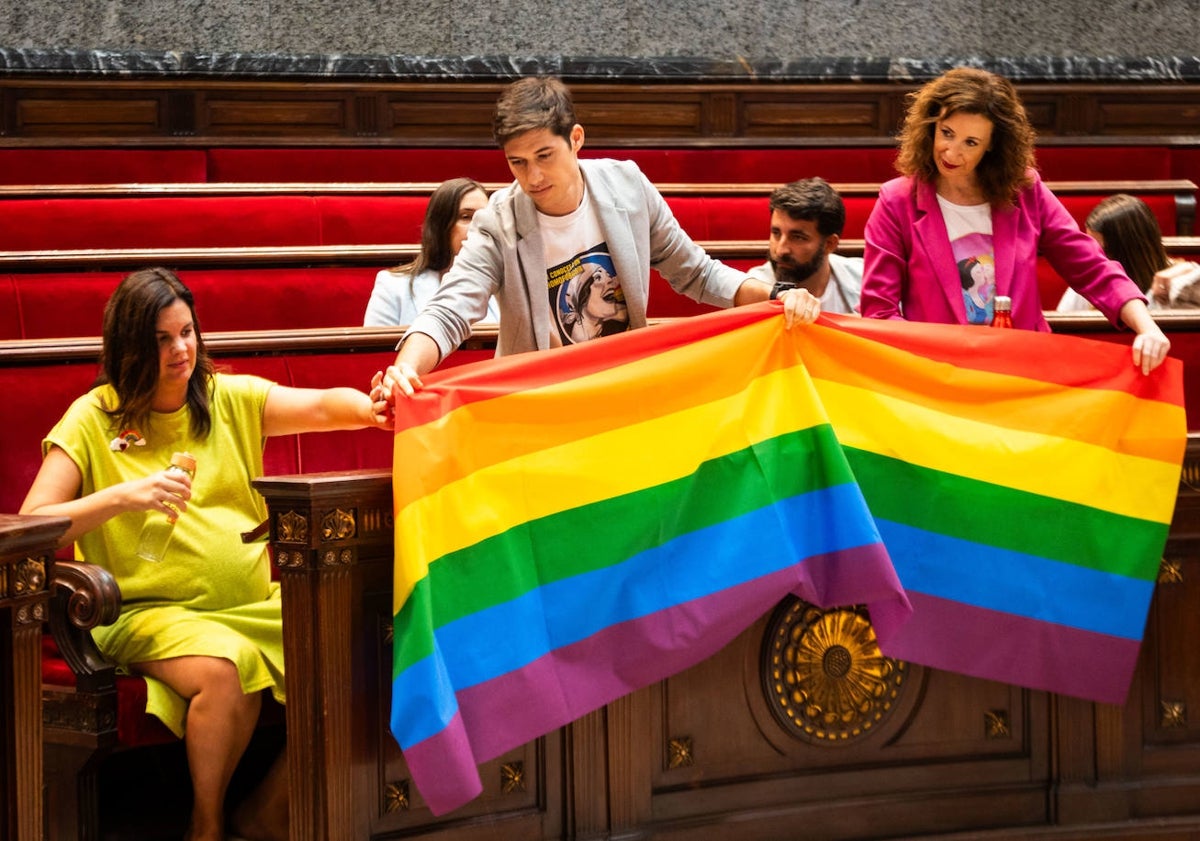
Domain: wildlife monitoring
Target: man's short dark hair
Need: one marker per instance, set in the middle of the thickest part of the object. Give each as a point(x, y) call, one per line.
point(812, 200)
point(533, 103)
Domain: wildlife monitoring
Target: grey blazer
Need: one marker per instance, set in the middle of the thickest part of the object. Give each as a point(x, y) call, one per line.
point(503, 256)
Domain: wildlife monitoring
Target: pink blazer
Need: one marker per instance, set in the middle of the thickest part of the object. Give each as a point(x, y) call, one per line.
point(910, 271)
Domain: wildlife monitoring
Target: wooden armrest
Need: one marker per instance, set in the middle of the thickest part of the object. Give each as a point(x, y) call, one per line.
point(84, 596)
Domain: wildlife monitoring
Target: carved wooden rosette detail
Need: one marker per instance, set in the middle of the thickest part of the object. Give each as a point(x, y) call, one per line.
point(338, 525)
point(823, 675)
point(679, 752)
point(23, 579)
point(995, 724)
point(1170, 571)
point(395, 797)
point(292, 527)
point(512, 777)
point(1174, 715)
point(336, 557)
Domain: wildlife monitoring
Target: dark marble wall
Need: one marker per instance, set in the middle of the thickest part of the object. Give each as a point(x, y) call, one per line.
point(686, 39)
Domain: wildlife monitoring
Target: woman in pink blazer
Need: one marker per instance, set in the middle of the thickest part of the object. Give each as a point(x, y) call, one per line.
point(970, 215)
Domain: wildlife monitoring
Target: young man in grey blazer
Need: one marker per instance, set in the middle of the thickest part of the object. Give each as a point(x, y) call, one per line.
point(566, 249)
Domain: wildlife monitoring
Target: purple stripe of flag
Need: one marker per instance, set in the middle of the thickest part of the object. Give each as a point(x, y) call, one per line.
point(1014, 649)
point(565, 684)
point(444, 768)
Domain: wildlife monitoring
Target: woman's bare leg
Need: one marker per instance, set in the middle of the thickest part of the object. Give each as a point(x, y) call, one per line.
point(263, 815)
point(220, 722)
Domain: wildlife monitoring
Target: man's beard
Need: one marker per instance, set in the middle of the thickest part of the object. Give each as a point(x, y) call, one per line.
point(797, 273)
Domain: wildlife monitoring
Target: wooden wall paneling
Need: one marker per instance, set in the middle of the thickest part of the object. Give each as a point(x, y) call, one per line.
point(181, 113)
point(652, 113)
point(418, 116)
point(947, 752)
point(1147, 112)
point(274, 113)
point(88, 111)
point(842, 112)
point(46, 111)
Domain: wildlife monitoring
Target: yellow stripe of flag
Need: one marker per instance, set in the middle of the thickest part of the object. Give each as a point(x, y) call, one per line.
point(668, 382)
point(1107, 417)
point(1089, 475)
point(619, 461)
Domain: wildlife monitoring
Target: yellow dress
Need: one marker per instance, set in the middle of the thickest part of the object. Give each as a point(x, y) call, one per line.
point(211, 594)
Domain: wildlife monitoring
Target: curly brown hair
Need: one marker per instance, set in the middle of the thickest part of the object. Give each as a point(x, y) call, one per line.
point(1003, 172)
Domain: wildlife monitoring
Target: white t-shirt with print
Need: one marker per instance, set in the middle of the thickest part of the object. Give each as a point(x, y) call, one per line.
point(586, 299)
point(970, 230)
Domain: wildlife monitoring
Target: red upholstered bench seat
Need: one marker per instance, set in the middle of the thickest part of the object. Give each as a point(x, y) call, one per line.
point(208, 221)
point(772, 164)
point(54, 304)
point(65, 304)
point(748, 217)
point(307, 217)
point(102, 166)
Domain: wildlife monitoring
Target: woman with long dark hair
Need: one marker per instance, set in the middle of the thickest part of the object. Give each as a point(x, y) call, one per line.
point(202, 624)
point(1125, 227)
point(401, 292)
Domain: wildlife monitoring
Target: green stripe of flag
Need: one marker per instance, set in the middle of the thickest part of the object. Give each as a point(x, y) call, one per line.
point(594, 536)
point(1033, 524)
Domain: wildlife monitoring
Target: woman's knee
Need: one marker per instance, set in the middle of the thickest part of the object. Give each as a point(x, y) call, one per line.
point(213, 677)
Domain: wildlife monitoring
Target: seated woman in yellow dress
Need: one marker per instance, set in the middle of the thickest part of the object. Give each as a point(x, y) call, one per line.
point(203, 624)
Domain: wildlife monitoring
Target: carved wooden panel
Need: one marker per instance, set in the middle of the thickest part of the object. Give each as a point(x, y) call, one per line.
point(523, 786)
point(259, 115)
point(845, 115)
point(1147, 113)
point(417, 119)
point(606, 118)
point(719, 747)
point(432, 113)
point(88, 112)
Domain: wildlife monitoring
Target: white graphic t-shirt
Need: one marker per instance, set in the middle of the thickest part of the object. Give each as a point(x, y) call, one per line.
point(970, 230)
point(586, 299)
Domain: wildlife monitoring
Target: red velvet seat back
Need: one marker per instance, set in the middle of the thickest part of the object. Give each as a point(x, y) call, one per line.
point(158, 222)
point(356, 165)
point(58, 304)
point(102, 166)
point(35, 397)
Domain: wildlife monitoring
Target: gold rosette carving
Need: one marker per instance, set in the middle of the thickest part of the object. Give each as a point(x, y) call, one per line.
point(825, 679)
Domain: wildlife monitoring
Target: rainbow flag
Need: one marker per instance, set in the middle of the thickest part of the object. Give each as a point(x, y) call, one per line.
point(1023, 484)
point(573, 525)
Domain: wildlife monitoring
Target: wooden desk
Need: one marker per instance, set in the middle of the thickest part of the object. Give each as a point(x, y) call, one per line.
point(705, 751)
point(26, 562)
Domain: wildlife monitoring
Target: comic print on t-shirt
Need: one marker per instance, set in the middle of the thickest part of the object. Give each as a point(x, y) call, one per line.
point(970, 230)
point(586, 298)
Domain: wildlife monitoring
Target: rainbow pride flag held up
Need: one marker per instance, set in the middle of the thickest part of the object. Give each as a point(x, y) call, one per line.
point(571, 526)
point(1023, 484)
